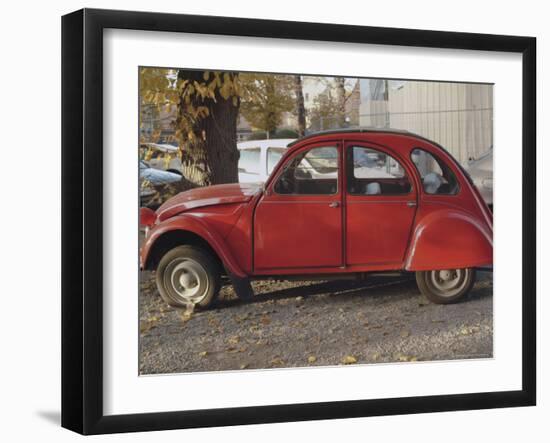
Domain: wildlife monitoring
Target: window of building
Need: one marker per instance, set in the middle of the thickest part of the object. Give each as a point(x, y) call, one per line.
point(437, 177)
point(373, 172)
point(313, 172)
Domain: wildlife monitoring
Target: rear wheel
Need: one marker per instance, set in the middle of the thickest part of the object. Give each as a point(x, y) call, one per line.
point(447, 285)
point(188, 275)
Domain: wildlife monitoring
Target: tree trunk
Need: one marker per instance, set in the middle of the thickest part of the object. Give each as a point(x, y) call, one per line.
point(212, 156)
point(340, 101)
point(300, 108)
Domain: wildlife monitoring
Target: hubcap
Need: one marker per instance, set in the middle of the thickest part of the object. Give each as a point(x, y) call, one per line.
point(187, 279)
point(448, 282)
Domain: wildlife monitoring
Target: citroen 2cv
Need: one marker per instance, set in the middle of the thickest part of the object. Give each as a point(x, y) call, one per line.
point(345, 203)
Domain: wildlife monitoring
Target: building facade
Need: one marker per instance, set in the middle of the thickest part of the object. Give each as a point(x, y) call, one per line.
point(459, 116)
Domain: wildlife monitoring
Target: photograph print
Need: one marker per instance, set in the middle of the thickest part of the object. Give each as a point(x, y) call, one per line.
point(295, 220)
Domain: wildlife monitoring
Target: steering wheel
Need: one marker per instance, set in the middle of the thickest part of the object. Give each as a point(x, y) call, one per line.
point(284, 185)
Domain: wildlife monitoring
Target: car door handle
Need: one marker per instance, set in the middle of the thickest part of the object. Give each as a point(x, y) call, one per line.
point(411, 204)
point(334, 204)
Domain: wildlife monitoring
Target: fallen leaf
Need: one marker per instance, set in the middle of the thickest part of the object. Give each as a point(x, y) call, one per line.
point(145, 326)
point(232, 349)
point(244, 366)
point(469, 330)
point(405, 334)
point(233, 340)
point(203, 353)
point(186, 316)
point(265, 320)
point(277, 361)
point(349, 360)
point(311, 359)
point(403, 357)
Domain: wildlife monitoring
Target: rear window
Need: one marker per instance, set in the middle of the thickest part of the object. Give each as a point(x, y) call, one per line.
point(373, 172)
point(437, 177)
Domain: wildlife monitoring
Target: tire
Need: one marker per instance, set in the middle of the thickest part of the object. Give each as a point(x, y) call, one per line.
point(446, 286)
point(188, 275)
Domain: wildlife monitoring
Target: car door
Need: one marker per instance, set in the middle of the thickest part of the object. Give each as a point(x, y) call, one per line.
point(298, 220)
point(380, 206)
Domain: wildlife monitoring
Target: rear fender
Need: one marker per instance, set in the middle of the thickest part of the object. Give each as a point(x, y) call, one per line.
point(448, 239)
point(194, 225)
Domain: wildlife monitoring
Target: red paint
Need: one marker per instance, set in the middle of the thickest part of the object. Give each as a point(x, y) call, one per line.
point(198, 226)
point(207, 196)
point(257, 233)
point(147, 217)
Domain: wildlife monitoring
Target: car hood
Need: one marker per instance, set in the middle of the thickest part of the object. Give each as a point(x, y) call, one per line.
point(207, 196)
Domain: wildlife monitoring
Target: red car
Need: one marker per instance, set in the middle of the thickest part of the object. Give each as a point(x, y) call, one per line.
point(342, 202)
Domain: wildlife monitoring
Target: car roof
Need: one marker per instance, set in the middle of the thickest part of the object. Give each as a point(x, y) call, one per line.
point(333, 133)
point(336, 133)
point(353, 131)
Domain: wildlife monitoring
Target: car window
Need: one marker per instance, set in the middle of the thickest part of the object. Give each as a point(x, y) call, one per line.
point(313, 172)
point(273, 157)
point(249, 161)
point(437, 177)
point(373, 172)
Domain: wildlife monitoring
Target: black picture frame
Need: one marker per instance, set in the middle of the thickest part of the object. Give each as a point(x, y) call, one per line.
point(82, 216)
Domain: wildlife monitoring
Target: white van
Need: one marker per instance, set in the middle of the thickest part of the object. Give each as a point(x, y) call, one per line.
point(259, 157)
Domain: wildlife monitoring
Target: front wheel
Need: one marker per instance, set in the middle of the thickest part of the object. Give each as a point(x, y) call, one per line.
point(188, 275)
point(446, 286)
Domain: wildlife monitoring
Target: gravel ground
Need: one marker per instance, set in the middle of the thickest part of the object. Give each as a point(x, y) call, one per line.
point(296, 324)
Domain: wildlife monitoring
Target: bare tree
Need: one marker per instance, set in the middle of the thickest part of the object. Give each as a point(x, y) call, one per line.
point(340, 101)
point(300, 107)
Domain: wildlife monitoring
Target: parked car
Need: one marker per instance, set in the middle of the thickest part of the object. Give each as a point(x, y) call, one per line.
point(324, 212)
point(161, 156)
point(481, 172)
point(259, 157)
point(149, 178)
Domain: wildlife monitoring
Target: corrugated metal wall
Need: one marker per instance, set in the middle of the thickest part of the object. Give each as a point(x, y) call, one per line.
point(458, 116)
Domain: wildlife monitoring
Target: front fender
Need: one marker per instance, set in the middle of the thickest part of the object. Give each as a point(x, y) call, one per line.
point(195, 225)
point(449, 239)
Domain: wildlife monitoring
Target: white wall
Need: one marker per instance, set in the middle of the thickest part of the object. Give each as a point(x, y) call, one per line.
point(459, 116)
point(30, 220)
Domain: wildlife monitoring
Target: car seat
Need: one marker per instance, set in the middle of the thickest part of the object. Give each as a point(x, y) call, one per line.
point(373, 188)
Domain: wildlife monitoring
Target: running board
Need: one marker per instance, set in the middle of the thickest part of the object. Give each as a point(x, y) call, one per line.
point(485, 268)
